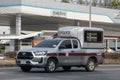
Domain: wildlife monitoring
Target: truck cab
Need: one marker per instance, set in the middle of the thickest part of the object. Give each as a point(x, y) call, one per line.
point(73, 47)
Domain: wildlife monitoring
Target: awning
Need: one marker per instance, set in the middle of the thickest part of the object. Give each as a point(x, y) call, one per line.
point(9, 37)
point(29, 34)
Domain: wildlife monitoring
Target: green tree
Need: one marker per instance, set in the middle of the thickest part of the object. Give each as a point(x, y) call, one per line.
point(115, 4)
point(80, 2)
point(94, 3)
point(100, 3)
point(65, 1)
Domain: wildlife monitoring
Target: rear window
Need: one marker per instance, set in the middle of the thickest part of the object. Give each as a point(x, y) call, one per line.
point(93, 36)
point(75, 43)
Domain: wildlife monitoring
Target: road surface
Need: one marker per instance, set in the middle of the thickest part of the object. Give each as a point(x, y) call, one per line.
point(103, 72)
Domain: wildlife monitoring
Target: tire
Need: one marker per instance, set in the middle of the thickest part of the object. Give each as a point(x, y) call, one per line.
point(25, 69)
point(66, 68)
point(50, 66)
point(90, 65)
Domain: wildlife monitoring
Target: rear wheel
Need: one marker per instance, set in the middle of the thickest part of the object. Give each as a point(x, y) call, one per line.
point(50, 66)
point(90, 65)
point(25, 68)
point(66, 68)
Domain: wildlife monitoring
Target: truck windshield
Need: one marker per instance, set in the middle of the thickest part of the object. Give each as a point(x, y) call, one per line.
point(48, 43)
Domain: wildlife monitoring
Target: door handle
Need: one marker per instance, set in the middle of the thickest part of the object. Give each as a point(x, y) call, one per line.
point(72, 51)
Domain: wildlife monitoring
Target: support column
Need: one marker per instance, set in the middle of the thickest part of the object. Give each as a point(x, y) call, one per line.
point(12, 45)
point(18, 45)
point(12, 25)
point(12, 32)
point(18, 30)
point(18, 24)
point(77, 23)
point(108, 44)
point(116, 45)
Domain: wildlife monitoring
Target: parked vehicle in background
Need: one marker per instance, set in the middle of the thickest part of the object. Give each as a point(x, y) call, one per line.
point(2, 57)
point(74, 47)
point(118, 51)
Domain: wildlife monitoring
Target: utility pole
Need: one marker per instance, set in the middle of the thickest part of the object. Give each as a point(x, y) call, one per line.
point(90, 21)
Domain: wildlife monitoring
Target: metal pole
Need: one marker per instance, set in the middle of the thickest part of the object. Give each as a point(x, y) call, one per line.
point(90, 6)
point(108, 44)
point(116, 44)
point(78, 23)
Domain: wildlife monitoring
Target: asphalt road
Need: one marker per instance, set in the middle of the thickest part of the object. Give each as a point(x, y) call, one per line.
point(111, 72)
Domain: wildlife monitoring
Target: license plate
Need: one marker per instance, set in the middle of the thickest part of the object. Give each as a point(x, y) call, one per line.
point(23, 62)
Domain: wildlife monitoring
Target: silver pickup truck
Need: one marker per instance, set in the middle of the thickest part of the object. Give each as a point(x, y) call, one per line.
point(65, 52)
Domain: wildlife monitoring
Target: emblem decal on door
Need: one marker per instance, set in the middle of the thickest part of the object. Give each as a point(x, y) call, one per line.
point(67, 54)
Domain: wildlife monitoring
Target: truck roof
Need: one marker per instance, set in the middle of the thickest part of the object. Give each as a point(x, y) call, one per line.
point(61, 38)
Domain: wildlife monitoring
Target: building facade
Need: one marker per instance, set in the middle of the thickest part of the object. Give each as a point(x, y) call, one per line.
point(39, 15)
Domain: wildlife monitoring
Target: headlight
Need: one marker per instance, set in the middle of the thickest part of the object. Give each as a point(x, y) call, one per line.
point(40, 53)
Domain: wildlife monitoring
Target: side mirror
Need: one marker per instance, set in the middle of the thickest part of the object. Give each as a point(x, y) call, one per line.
point(62, 47)
point(54, 46)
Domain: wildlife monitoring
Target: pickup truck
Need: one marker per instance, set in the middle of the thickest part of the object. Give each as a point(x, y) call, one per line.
point(73, 47)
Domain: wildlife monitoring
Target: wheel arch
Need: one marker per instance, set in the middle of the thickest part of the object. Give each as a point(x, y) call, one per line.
point(54, 58)
point(94, 58)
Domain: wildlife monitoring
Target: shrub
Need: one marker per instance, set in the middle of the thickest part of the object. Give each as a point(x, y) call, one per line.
point(112, 55)
point(10, 54)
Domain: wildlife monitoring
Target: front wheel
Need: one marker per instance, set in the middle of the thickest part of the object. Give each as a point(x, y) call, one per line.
point(90, 65)
point(50, 66)
point(25, 68)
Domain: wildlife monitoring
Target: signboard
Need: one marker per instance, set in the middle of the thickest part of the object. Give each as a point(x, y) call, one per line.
point(64, 33)
point(58, 13)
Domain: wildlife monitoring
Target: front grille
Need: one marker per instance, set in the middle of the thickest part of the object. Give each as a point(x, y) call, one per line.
point(25, 55)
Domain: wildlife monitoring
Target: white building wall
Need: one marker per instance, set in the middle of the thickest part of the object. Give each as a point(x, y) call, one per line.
point(4, 30)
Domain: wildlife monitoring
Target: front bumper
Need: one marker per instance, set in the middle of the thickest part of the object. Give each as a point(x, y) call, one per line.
point(35, 62)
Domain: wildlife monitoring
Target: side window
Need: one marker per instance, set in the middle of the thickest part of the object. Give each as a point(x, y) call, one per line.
point(67, 44)
point(75, 43)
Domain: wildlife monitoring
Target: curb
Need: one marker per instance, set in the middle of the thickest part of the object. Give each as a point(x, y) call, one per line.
point(7, 65)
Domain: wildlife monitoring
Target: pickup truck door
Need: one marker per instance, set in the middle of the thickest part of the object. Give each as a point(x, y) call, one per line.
point(64, 50)
point(75, 53)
